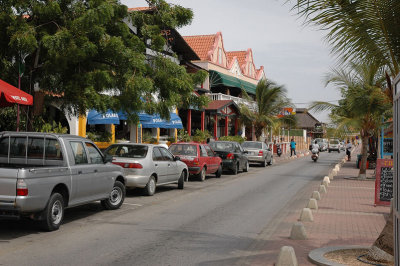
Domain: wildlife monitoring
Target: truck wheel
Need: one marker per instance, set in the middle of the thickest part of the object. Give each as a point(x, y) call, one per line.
point(150, 188)
point(219, 171)
point(181, 180)
point(54, 213)
point(116, 198)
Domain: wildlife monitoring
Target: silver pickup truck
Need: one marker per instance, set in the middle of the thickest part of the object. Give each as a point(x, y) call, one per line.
point(42, 174)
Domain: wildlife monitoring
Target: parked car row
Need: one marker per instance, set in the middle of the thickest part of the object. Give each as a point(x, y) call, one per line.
point(43, 174)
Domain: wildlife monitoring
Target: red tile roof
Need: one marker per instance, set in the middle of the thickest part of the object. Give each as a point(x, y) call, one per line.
point(216, 105)
point(201, 44)
point(240, 55)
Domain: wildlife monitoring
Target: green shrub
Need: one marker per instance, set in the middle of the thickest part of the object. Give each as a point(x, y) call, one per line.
point(103, 136)
point(201, 136)
point(183, 136)
point(239, 139)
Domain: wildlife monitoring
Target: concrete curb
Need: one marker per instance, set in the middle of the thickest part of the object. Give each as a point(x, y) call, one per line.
point(317, 255)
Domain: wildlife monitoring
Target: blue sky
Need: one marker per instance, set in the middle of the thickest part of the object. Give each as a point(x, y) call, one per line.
point(292, 54)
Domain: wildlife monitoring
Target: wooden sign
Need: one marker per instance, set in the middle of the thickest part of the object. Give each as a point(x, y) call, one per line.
point(384, 182)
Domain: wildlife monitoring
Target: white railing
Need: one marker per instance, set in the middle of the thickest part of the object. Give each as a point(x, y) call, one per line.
point(219, 96)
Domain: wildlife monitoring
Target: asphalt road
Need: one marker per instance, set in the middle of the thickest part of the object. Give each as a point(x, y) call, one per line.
point(215, 222)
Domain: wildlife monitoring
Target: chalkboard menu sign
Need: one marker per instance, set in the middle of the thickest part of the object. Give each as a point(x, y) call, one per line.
point(384, 182)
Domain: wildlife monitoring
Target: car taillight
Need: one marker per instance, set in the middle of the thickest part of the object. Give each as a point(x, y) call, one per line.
point(130, 165)
point(196, 161)
point(22, 188)
point(260, 153)
point(230, 156)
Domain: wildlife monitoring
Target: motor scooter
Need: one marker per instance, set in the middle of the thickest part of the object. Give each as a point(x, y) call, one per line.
point(314, 154)
point(279, 151)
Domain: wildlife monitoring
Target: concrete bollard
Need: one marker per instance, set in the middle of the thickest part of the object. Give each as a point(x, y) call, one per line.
point(312, 204)
point(306, 215)
point(322, 189)
point(334, 172)
point(316, 195)
point(325, 183)
point(287, 257)
point(326, 178)
point(298, 232)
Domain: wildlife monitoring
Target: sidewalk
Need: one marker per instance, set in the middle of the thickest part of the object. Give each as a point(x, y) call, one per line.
point(346, 216)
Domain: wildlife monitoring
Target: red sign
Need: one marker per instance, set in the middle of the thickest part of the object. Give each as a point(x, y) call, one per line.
point(384, 182)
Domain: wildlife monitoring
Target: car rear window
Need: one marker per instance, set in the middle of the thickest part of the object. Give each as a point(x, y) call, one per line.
point(252, 145)
point(333, 142)
point(127, 151)
point(221, 146)
point(183, 149)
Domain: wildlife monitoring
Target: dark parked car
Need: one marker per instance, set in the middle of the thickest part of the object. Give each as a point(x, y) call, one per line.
point(232, 154)
point(200, 159)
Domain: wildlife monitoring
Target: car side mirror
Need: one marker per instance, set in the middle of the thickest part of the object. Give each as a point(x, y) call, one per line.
point(177, 158)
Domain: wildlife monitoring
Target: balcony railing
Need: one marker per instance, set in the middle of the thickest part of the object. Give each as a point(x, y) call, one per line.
point(252, 105)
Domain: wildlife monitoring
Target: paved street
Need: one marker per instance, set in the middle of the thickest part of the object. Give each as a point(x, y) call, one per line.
point(218, 222)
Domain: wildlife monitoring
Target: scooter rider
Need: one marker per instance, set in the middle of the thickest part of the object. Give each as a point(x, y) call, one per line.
point(315, 146)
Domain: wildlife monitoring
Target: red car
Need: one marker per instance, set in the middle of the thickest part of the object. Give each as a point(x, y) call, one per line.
point(200, 158)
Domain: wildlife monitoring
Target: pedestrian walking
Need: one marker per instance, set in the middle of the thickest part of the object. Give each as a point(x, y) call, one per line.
point(292, 147)
point(348, 150)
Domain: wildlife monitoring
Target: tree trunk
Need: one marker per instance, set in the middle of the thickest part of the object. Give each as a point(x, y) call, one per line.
point(383, 248)
point(364, 155)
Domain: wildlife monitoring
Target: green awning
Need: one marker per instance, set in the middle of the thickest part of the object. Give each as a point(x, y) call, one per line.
point(219, 79)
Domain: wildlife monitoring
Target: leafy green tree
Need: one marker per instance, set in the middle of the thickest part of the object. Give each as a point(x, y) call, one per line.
point(363, 104)
point(363, 107)
point(84, 52)
point(271, 99)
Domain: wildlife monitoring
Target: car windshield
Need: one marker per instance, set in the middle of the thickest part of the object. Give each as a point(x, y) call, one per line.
point(183, 149)
point(333, 142)
point(221, 146)
point(252, 145)
point(128, 151)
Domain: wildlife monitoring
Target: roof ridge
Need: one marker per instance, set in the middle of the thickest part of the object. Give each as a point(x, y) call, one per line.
point(203, 35)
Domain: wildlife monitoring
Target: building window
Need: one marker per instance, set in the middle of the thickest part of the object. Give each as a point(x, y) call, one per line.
point(220, 56)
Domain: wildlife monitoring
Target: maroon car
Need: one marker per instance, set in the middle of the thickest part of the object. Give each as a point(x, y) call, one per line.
point(200, 158)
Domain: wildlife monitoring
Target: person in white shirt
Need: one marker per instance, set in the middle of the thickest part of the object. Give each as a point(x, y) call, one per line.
point(315, 146)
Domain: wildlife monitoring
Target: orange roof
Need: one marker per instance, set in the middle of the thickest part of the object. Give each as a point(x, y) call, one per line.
point(201, 44)
point(240, 55)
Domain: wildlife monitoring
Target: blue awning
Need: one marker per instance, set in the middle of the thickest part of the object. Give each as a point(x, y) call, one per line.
point(107, 118)
point(142, 116)
point(157, 122)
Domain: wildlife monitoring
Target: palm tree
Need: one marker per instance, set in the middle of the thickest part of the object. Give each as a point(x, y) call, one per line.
point(362, 109)
point(365, 30)
point(271, 99)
